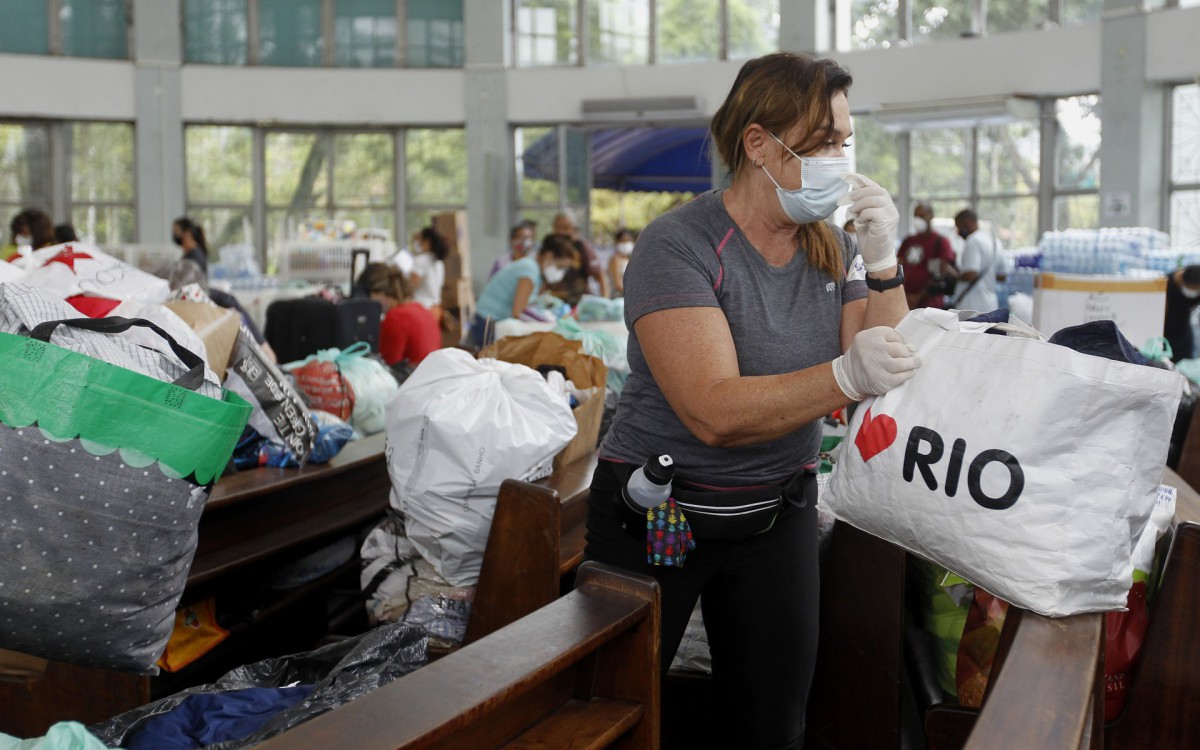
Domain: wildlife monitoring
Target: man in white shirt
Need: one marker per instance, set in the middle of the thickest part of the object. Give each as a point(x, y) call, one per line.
point(977, 265)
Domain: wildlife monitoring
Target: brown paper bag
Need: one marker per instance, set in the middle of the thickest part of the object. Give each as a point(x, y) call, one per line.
point(217, 327)
point(583, 370)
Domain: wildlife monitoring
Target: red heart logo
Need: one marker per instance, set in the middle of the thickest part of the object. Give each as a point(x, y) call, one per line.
point(875, 435)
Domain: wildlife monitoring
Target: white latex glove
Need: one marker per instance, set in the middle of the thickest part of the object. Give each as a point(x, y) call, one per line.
point(877, 361)
point(875, 221)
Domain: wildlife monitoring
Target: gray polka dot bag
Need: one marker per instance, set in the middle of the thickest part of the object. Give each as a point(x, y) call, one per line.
point(104, 472)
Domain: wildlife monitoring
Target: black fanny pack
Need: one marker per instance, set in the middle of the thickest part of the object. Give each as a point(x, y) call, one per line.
point(730, 515)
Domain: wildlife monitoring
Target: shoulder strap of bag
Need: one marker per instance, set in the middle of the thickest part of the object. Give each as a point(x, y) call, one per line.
point(978, 278)
point(192, 379)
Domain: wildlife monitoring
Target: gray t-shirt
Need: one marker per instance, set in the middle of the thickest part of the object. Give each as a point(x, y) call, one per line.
point(782, 320)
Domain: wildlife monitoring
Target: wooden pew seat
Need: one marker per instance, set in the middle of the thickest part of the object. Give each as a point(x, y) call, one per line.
point(581, 672)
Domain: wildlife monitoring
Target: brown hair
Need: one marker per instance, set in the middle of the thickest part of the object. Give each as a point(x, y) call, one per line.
point(779, 92)
point(385, 279)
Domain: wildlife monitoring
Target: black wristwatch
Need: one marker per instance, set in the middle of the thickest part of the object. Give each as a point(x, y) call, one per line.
point(882, 285)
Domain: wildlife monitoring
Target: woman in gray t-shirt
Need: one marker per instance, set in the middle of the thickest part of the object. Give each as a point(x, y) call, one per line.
point(751, 318)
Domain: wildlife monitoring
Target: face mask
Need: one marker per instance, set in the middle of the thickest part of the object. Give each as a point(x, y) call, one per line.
point(821, 185)
point(1189, 293)
point(22, 240)
point(527, 245)
point(177, 239)
point(554, 274)
point(625, 248)
point(964, 233)
point(920, 226)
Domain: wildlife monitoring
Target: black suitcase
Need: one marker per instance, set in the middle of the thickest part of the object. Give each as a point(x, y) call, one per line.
point(357, 319)
point(299, 327)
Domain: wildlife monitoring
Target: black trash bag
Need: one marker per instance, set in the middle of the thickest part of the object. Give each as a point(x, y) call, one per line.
point(341, 672)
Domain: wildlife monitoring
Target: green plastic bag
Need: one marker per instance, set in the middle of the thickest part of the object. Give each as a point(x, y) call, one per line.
point(945, 601)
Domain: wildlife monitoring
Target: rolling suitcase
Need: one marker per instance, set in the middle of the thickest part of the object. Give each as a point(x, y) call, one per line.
point(356, 320)
point(299, 327)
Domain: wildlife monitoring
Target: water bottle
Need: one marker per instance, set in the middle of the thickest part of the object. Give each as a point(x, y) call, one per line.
point(647, 487)
point(650, 486)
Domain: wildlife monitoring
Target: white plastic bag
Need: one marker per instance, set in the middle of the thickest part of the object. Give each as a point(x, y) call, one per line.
point(76, 268)
point(456, 429)
point(1025, 467)
point(373, 387)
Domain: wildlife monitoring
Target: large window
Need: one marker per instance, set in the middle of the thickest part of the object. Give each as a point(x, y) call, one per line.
point(94, 28)
point(435, 34)
point(220, 182)
point(546, 32)
point(435, 173)
point(289, 33)
point(543, 186)
point(1185, 166)
point(689, 30)
point(215, 31)
point(316, 33)
point(940, 19)
point(102, 182)
point(864, 24)
point(635, 32)
point(364, 33)
point(1007, 163)
point(619, 32)
point(85, 28)
point(316, 181)
point(24, 170)
point(1077, 163)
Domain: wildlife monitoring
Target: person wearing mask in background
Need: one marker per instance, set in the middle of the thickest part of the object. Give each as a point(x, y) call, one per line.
point(978, 267)
point(623, 248)
point(189, 236)
point(32, 228)
point(927, 258)
point(565, 224)
point(520, 244)
point(409, 332)
point(1183, 295)
point(751, 318)
point(64, 233)
point(507, 294)
point(429, 270)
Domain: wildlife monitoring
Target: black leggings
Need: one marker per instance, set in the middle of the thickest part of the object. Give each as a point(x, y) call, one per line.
point(760, 598)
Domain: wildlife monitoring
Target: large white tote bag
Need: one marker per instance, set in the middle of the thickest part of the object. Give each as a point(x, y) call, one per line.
point(1023, 466)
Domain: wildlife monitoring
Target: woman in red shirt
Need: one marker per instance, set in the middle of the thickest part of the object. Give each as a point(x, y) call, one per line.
point(409, 331)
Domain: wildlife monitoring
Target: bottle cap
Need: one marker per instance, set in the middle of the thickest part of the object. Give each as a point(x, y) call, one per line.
point(660, 469)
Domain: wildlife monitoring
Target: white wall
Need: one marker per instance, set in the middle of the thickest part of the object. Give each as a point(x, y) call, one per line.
point(66, 88)
point(318, 96)
point(1173, 52)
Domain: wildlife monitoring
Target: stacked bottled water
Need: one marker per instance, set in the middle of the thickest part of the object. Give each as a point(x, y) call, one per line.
point(239, 268)
point(1111, 250)
point(1167, 260)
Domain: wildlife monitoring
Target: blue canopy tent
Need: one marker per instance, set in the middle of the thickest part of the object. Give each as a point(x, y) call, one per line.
point(634, 159)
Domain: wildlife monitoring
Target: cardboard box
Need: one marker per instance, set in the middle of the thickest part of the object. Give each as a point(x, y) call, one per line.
point(1137, 306)
point(452, 226)
point(217, 327)
point(585, 371)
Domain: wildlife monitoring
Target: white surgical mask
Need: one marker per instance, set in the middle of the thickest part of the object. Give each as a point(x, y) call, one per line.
point(625, 248)
point(1189, 293)
point(554, 274)
point(527, 245)
point(821, 185)
point(920, 226)
point(22, 240)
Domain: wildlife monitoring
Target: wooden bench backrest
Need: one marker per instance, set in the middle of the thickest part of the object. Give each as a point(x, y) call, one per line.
point(586, 664)
point(536, 536)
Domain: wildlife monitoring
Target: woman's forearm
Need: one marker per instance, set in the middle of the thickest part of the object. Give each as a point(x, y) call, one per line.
point(886, 308)
point(751, 410)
